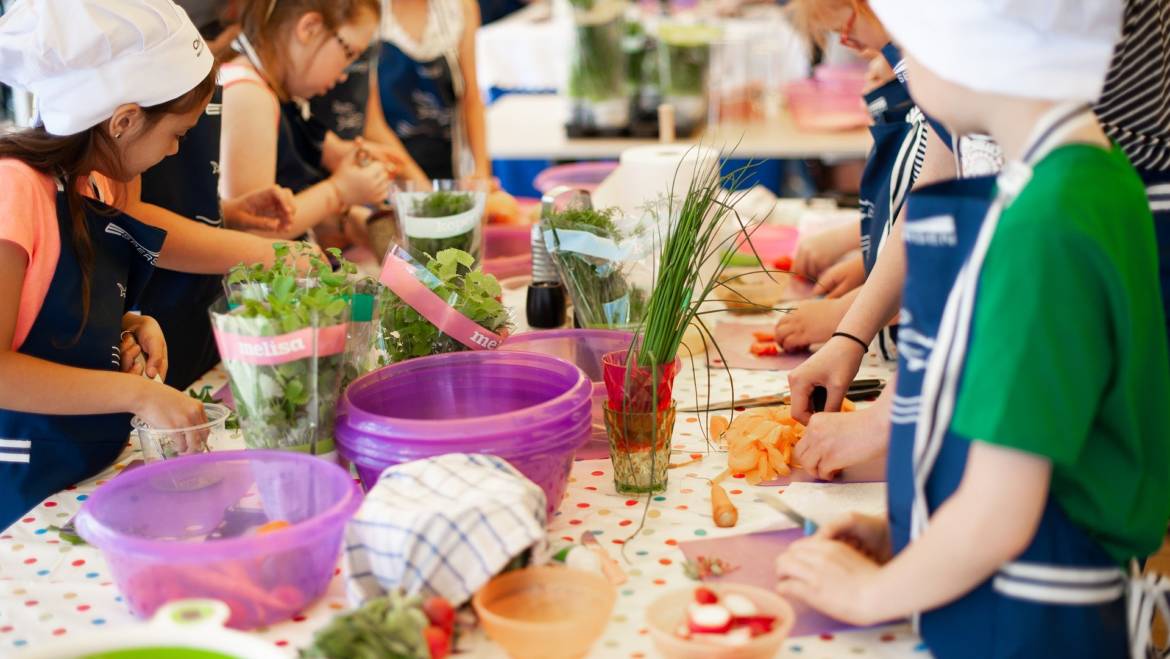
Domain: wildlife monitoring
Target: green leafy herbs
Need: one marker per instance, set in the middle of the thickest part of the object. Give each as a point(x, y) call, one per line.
point(438, 205)
point(443, 204)
point(599, 287)
point(204, 396)
point(407, 334)
point(388, 627)
point(289, 404)
point(597, 70)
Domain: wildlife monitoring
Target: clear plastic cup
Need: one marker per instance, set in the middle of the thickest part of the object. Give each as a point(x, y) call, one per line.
point(166, 443)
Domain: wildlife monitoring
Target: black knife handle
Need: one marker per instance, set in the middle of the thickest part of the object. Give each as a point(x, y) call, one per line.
point(818, 399)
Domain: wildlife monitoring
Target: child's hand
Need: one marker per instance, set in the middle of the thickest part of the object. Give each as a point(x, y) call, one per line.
point(812, 322)
point(148, 336)
point(834, 441)
point(267, 209)
point(832, 367)
point(867, 534)
point(816, 253)
point(830, 576)
point(841, 278)
point(360, 184)
point(130, 351)
point(165, 408)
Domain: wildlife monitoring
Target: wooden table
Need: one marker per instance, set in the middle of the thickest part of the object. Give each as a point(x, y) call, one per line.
point(531, 127)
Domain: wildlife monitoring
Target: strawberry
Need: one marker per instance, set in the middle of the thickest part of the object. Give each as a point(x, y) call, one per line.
point(706, 596)
point(438, 642)
point(440, 613)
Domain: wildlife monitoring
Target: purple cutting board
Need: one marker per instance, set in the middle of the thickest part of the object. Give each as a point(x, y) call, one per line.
point(873, 471)
point(735, 341)
point(755, 554)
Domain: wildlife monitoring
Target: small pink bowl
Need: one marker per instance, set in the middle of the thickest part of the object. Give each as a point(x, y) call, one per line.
point(669, 611)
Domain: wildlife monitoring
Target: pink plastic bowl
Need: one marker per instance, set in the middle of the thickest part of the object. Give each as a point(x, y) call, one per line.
point(190, 528)
point(507, 250)
point(582, 175)
point(825, 107)
point(529, 409)
point(583, 347)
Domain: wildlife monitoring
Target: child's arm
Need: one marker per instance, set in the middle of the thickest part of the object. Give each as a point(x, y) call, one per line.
point(28, 384)
point(989, 520)
point(248, 147)
point(473, 111)
point(193, 246)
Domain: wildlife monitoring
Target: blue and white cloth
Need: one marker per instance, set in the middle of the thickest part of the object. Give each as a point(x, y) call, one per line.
point(442, 526)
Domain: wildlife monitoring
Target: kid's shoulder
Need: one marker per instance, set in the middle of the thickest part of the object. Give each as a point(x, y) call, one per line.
point(18, 180)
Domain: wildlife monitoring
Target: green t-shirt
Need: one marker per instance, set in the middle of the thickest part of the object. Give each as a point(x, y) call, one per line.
point(1067, 356)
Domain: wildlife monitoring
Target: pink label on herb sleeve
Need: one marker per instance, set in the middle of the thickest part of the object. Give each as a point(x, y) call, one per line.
point(268, 350)
point(397, 276)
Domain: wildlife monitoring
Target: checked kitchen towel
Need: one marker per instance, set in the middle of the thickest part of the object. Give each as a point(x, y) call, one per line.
point(442, 526)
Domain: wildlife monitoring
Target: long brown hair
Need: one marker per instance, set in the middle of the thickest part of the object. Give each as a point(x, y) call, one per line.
point(72, 158)
point(269, 23)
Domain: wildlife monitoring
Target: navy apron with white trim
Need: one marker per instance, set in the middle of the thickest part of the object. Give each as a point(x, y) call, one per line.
point(1063, 597)
point(1158, 193)
point(42, 454)
point(187, 184)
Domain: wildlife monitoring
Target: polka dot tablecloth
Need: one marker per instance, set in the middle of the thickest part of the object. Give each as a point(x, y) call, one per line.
point(50, 589)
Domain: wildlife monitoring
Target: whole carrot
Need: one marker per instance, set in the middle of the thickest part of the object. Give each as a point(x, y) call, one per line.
point(723, 512)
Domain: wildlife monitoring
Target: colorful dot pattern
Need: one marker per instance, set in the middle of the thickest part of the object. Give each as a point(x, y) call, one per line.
point(50, 589)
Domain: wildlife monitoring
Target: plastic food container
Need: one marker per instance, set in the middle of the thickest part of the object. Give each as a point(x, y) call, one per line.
point(258, 530)
point(189, 629)
point(669, 611)
point(545, 612)
point(529, 409)
point(585, 348)
point(507, 250)
point(580, 175)
point(825, 107)
point(163, 444)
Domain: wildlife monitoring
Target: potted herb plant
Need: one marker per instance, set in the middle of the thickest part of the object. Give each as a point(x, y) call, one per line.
point(442, 215)
point(282, 334)
point(449, 279)
point(597, 87)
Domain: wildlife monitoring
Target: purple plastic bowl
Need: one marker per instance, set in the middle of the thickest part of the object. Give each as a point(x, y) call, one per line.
point(188, 528)
point(530, 409)
point(583, 347)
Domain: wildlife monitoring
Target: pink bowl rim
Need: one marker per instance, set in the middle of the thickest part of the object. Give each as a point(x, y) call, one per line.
point(107, 539)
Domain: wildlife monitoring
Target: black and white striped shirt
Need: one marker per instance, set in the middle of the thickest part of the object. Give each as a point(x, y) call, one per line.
point(1135, 105)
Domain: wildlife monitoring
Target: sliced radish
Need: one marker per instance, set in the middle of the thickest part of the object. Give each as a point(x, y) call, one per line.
point(758, 625)
point(706, 596)
point(682, 631)
point(740, 606)
point(736, 637)
point(708, 619)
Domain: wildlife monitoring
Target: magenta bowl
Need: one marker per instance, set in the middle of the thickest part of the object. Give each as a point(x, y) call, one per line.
point(259, 530)
point(583, 347)
point(532, 410)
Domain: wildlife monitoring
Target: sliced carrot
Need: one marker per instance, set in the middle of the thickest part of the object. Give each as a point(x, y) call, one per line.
point(718, 426)
point(765, 349)
point(765, 336)
point(847, 405)
point(274, 525)
point(723, 512)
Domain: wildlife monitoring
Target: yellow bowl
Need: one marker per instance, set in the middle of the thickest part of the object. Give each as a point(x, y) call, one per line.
point(545, 612)
point(669, 611)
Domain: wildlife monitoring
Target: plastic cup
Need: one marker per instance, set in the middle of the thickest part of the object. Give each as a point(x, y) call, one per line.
point(165, 443)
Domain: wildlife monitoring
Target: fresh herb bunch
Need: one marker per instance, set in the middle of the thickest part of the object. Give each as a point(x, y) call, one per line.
point(441, 204)
point(444, 203)
point(601, 293)
point(685, 54)
point(291, 404)
point(407, 334)
point(388, 627)
point(204, 396)
point(598, 67)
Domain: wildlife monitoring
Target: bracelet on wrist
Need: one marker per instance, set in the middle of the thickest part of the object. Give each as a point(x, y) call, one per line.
point(846, 335)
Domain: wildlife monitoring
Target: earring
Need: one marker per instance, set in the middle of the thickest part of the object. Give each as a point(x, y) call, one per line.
point(117, 136)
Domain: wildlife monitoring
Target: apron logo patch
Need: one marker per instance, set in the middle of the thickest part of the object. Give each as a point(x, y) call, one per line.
point(115, 230)
point(914, 347)
point(121, 289)
point(936, 231)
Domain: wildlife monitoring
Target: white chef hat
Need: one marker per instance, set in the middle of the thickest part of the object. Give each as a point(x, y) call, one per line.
point(81, 59)
point(1042, 49)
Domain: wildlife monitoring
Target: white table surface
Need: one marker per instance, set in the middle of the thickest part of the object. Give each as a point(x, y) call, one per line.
point(50, 589)
point(532, 127)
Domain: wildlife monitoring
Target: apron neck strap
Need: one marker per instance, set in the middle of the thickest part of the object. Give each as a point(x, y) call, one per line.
point(1050, 131)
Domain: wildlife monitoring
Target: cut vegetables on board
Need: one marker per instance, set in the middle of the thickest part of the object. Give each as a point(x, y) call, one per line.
point(760, 442)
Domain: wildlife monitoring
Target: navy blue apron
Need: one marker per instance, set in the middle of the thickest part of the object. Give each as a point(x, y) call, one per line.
point(187, 184)
point(419, 101)
point(1064, 596)
point(43, 454)
point(1158, 192)
point(343, 108)
point(894, 58)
